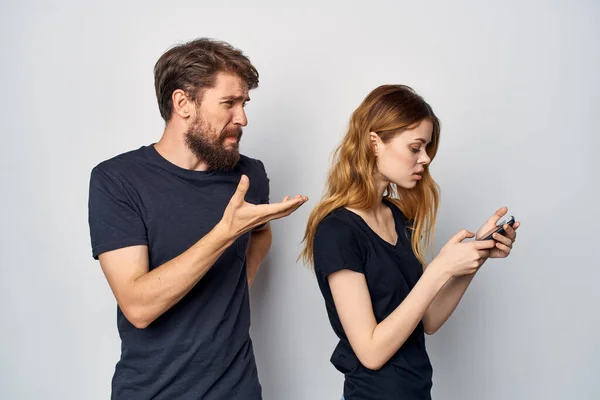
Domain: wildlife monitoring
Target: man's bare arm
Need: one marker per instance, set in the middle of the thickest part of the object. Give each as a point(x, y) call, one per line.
point(258, 247)
point(145, 295)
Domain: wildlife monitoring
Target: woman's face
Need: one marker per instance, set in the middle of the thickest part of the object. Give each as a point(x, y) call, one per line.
point(402, 160)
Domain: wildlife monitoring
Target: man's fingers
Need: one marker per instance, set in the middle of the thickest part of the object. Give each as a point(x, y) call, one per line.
point(276, 208)
point(286, 212)
point(287, 198)
point(240, 192)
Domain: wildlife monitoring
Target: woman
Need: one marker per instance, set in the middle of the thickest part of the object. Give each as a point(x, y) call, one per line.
point(364, 240)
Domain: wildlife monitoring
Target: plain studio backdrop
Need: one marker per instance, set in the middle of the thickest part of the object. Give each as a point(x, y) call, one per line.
point(514, 83)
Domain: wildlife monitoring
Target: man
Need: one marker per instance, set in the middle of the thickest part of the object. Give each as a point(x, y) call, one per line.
point(180, 228)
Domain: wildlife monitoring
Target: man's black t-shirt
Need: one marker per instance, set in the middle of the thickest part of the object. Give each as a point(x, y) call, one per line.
point(344, 241)
point(200, 348)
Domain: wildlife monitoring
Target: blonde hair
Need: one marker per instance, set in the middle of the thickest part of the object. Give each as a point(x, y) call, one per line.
point(388, 110)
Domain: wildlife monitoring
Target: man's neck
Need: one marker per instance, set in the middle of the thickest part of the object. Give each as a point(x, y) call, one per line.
point(172, 147)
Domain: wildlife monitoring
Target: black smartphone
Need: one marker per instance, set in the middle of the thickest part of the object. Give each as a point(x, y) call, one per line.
point(499, 228)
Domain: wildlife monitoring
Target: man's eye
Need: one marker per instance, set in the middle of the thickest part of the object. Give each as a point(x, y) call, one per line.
point(228, 102)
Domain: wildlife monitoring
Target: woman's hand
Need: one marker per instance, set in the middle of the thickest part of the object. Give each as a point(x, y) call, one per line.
point(458, 258)
point(505, 242)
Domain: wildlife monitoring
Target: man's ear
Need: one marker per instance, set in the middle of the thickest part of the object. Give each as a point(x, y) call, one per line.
point(182, 105)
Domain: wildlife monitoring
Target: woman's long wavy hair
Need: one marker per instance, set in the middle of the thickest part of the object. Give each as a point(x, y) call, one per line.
point(388, 111)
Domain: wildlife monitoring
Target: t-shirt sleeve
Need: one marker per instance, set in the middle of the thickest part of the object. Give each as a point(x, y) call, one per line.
point(114, 221)
point(336, 247)
point(265, 184)
point(264, 189)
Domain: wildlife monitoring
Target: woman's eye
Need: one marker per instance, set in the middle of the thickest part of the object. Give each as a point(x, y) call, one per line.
point(415, 150)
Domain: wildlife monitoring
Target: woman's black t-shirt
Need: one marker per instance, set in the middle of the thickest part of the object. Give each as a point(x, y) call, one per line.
point(344, 241)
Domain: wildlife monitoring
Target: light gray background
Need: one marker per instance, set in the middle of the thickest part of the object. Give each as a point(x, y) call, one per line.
point(515, 84)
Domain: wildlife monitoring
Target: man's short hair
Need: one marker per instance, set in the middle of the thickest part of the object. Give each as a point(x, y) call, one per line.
point(193, 66)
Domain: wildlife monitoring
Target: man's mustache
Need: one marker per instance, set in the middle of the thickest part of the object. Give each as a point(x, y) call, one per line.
point(236, 134)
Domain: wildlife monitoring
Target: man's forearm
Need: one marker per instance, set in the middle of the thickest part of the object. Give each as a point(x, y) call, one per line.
point(446, 302)
point(160, 289)
point(258, 247)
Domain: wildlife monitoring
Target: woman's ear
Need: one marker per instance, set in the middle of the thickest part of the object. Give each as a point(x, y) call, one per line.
point(375, 142)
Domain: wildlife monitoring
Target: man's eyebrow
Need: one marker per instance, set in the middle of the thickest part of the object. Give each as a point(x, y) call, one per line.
point(236, 98)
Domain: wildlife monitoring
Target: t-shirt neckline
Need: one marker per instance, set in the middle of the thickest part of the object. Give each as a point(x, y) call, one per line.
point(156, 156)
point(372, 232)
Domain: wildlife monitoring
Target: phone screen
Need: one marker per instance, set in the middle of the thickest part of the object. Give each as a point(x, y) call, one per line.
point(498, 228)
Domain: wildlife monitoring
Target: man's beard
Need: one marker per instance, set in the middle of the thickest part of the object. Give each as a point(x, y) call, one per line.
point(209, 147)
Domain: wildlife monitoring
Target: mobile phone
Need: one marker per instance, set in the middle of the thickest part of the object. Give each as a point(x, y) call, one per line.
point(499, 228)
